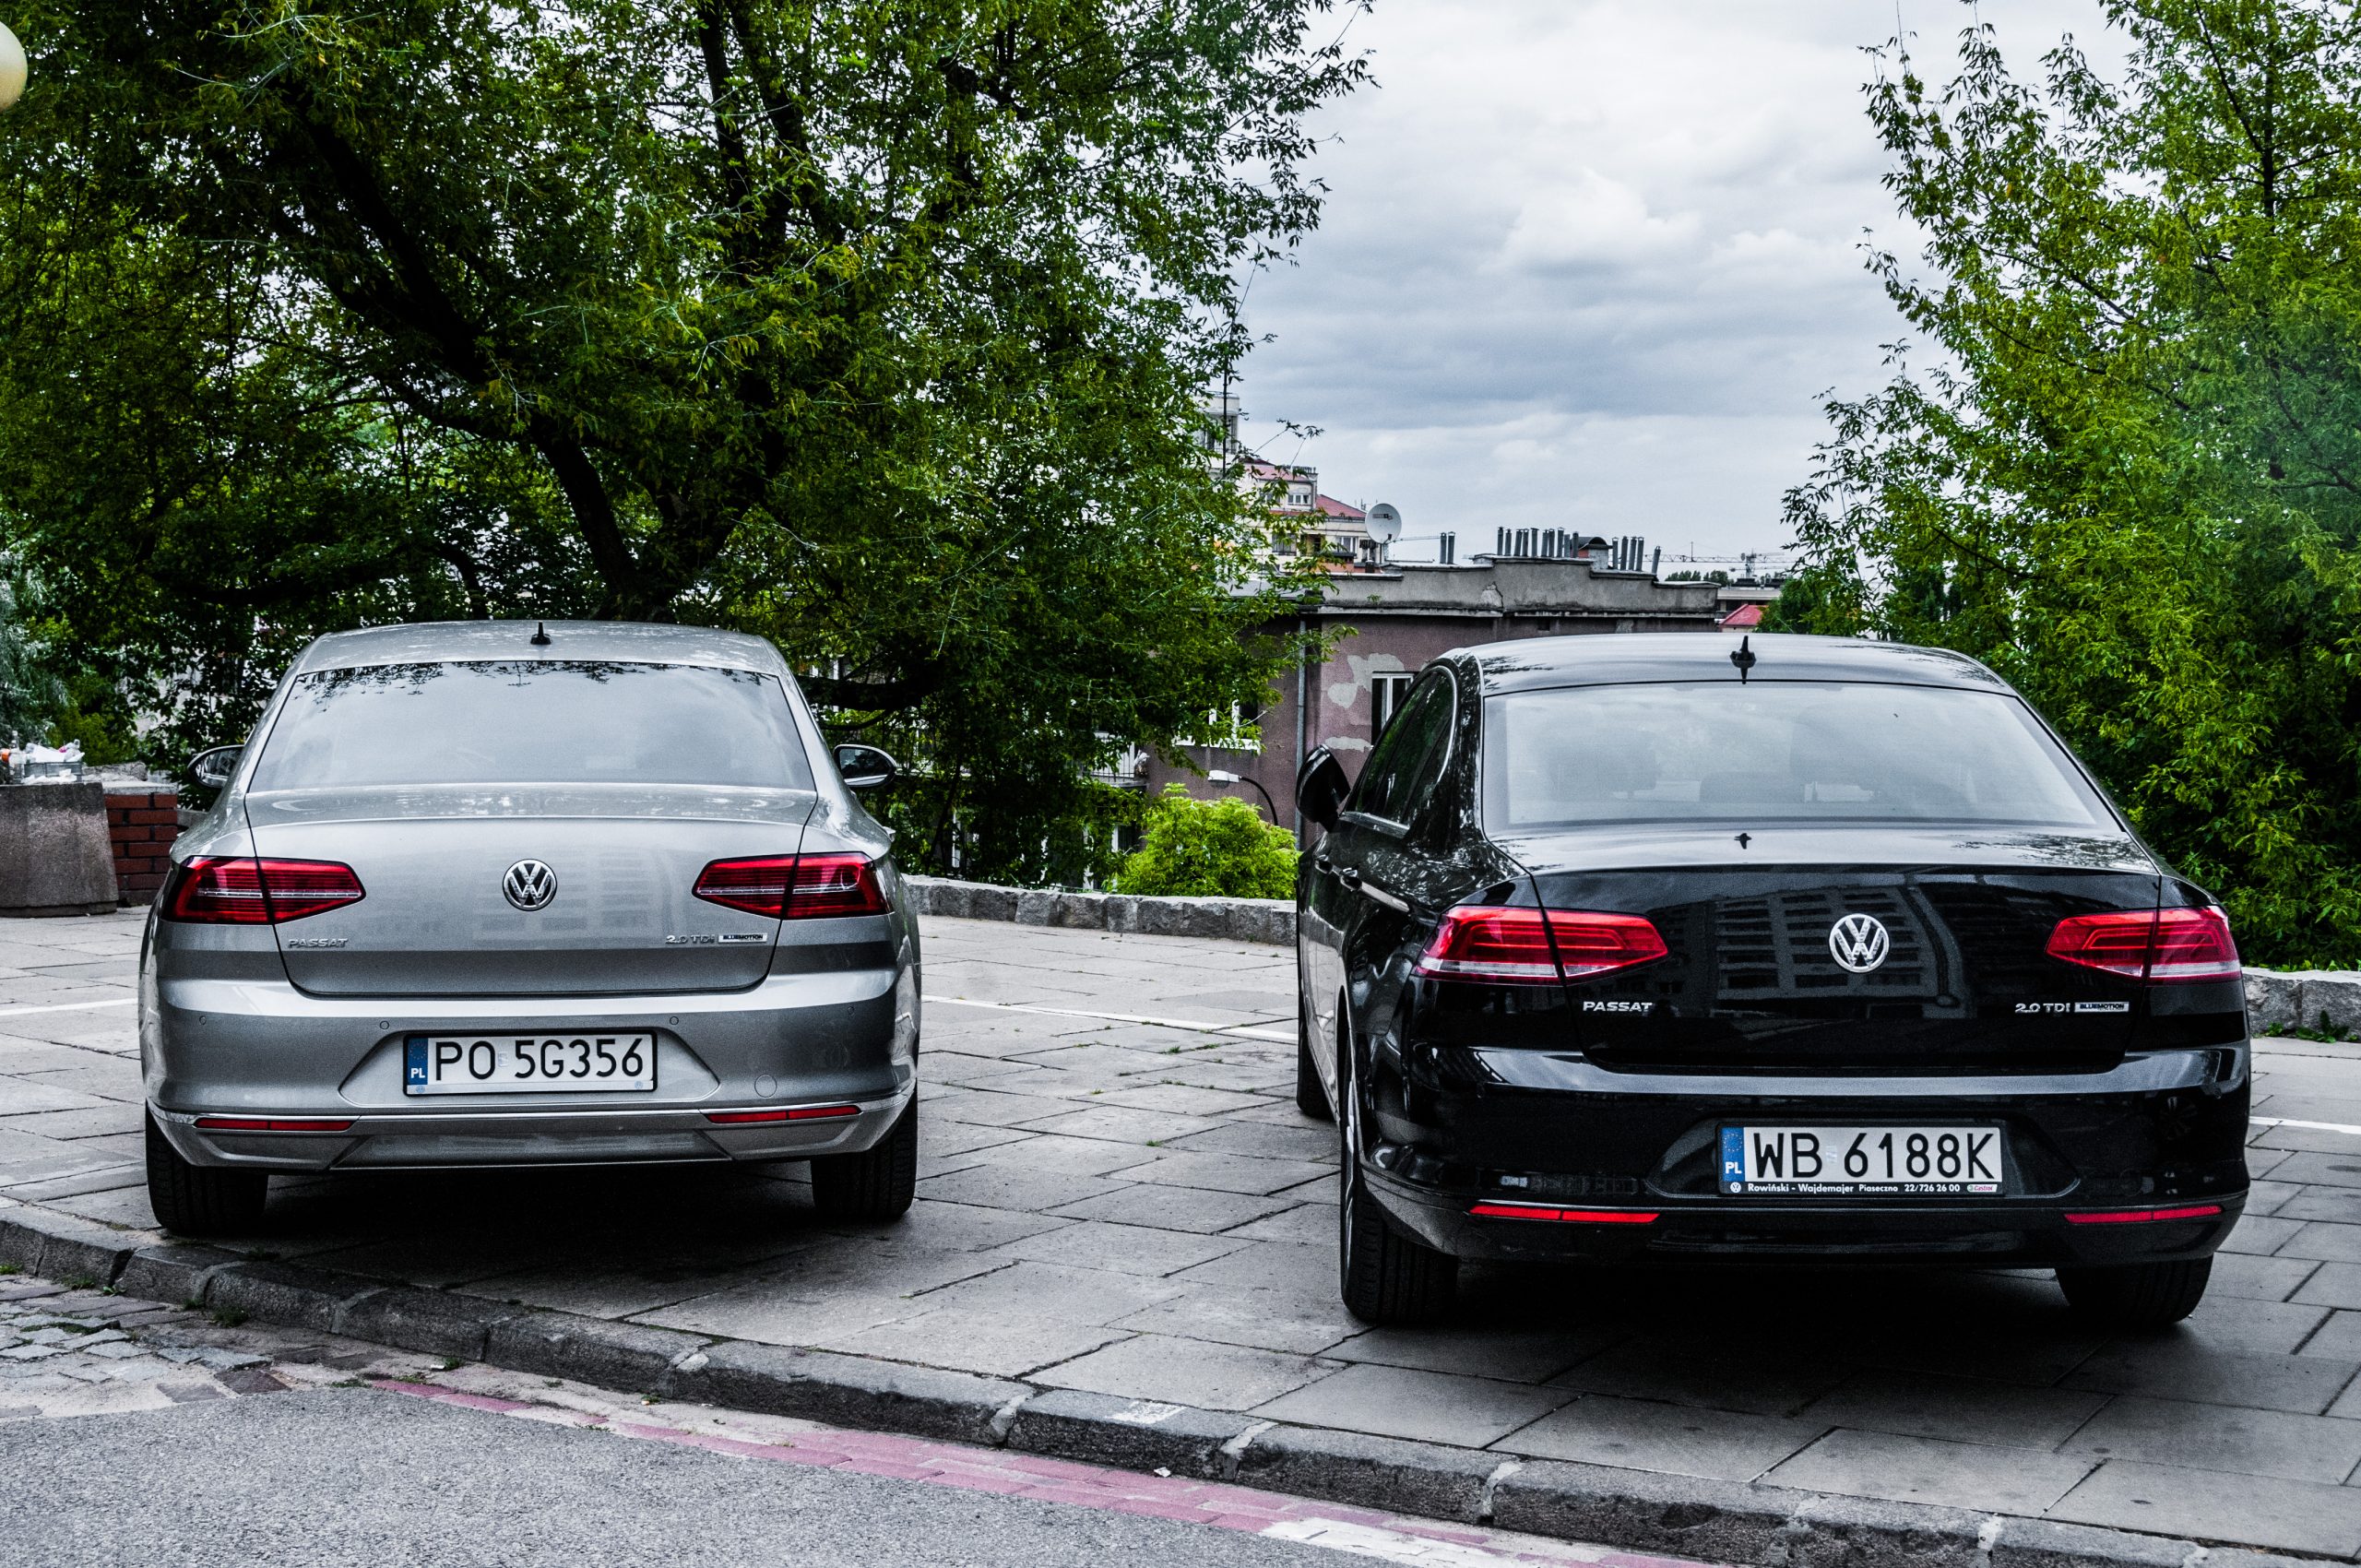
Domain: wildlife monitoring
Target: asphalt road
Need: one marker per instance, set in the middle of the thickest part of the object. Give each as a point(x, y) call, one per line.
point(337, 1476)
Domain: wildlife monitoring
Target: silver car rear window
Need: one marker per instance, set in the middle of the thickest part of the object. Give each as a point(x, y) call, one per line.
point(541, 721)
point(1769, 750)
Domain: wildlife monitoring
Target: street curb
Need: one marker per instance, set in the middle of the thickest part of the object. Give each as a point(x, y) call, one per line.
point(1269, 920)
point(1715, 1521)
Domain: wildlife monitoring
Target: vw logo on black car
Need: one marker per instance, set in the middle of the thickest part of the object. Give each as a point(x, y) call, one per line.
point(1859, 942)
point(531, 885)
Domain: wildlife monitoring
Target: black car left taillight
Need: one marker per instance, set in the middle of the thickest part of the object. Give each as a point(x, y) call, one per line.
point(1498, 945)
point(251, 890)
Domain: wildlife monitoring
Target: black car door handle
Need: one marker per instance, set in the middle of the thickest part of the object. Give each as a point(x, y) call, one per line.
point(1372, 891)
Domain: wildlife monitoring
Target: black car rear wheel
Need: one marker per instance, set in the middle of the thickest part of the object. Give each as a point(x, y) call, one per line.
point(201, 1200)
point(877, 1183)
point(1310, 1096)
point(1386, 1277)
point(2139, 1295)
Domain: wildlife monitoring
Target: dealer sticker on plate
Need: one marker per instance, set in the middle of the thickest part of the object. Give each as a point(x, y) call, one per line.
point(1862, 1161)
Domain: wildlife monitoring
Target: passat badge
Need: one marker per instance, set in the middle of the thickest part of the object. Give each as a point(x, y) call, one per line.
point(530, 886)
point(1859, 942)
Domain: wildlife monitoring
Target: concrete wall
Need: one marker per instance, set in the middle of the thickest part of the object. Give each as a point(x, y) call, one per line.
point(54, 858)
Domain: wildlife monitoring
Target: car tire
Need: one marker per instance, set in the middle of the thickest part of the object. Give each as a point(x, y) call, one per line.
point(1387, 1278)
point(200, 1200)
point(876, 1185)
point(2139, 1295)
point(1310, 1096)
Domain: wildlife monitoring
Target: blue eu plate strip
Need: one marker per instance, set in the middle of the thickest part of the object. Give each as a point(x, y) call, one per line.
point(1732, 1153)
point(414, 1057)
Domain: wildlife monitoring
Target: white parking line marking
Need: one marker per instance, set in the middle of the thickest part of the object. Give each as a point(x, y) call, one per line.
point(1197, 1026)
point(69, 1006)
point(2308, 1126)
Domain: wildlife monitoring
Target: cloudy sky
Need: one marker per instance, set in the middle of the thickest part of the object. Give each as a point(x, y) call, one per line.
point(1590, 263)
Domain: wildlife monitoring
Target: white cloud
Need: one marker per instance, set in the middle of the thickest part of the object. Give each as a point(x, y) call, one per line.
point(1590, 262)
point(1594, 222)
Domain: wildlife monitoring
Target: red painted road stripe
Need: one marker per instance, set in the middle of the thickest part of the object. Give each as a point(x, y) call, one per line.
point(1217, 1505)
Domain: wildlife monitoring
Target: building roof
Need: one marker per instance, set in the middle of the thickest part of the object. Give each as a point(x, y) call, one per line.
point(1618, 658)
point(1329, 506)
point(1743, 618)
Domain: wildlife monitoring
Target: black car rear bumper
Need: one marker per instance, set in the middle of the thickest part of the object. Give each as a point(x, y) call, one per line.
point(1564, 1156)
point(1999, 1234)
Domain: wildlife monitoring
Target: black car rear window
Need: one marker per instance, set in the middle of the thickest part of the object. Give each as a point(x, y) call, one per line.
point(1765, 751)
point(541, 722)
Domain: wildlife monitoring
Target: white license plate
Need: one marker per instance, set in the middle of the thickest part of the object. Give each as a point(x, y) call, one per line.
point(1864, 1161)
point(541, 1064)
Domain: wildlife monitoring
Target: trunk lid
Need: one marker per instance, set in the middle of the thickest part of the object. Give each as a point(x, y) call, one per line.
point(436, 922)
point(1753, 981)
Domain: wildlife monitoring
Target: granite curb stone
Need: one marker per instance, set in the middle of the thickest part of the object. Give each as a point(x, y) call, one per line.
point(1428, 1478)
point(1630, 1510)
point(625, 1356)
point(1267, 921)
point(1136, 1434)
point(854, 1391)
point(2305, 999)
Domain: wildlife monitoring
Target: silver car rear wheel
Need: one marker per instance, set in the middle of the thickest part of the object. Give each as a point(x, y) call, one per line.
point(877, 1183)
point(197, 1200)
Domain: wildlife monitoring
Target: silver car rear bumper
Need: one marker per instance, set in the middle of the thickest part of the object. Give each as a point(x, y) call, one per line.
point(251, 1048)
point(442, 1140)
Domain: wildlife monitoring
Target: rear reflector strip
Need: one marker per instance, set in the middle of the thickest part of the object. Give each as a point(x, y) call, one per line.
point(1564, 1216)
point(801, 1113)
point(2145, 1215)
point(270, 1125)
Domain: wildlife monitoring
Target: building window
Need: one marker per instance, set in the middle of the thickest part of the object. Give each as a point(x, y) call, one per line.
point(1385, 694)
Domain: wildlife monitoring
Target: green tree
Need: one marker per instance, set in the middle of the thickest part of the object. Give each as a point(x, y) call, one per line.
point(874, 325)
point(1209, 848)
point(2131, 481)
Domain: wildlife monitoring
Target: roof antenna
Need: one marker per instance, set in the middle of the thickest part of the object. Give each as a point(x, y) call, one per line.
point(540, 638)
point(1743, 658)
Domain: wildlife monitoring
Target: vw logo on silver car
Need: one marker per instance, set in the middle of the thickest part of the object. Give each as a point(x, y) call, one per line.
point(1859, 942)
point(531, 885)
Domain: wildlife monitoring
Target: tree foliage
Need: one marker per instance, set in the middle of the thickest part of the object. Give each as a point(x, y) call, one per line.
point(2131, 482)
point(874, 325)
point(1209, 848)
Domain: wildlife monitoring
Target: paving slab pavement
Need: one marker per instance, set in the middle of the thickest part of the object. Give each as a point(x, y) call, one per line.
point(1120, 1197)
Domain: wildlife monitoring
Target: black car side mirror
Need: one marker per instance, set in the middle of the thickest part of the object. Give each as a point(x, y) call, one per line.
point(1321, 788)
point(214, 768)
point(866, 767)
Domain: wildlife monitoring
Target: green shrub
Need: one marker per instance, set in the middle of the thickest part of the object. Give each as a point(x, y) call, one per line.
point(1209, 848)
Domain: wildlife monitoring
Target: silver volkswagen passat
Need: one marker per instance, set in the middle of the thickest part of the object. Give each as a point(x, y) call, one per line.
point(489, 893)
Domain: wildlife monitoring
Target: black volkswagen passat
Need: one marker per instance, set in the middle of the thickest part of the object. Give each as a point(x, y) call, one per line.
point(1806, 949)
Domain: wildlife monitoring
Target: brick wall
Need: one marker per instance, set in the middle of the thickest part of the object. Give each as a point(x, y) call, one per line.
point(142, 827)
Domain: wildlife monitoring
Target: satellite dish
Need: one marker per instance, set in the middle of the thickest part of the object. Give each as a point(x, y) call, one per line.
point(1385, 522)
point(12, 70)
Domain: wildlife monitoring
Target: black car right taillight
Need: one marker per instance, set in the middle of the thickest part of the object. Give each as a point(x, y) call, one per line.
point(2159, 946)
point(1517, 946)
point(244, 890)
